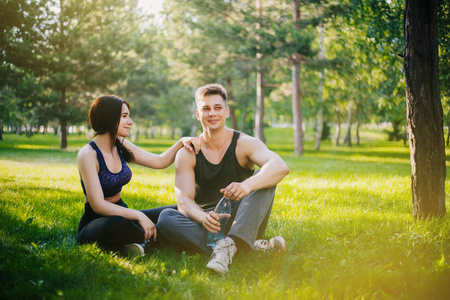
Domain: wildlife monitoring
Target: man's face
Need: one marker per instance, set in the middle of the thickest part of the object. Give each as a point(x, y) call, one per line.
point(212, 112)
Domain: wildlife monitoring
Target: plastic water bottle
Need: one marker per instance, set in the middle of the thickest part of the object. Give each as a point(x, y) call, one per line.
point(223, 210)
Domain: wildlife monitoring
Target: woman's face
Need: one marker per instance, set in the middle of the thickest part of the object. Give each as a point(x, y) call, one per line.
point(125, 122)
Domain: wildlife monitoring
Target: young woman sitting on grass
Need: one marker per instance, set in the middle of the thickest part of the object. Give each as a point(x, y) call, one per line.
point(103, 169)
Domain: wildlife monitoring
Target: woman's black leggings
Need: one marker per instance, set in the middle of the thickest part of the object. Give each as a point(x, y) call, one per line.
point(113, 232)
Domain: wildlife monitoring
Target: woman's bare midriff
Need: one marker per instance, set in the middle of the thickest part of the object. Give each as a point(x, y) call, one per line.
point(112, 199)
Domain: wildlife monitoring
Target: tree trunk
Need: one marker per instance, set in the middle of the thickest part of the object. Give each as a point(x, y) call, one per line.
point(244, 109)
point(424, 109)
point(338, 133)
point(147, 128)
point(259, 117)
point(296, 96)
point(319, 127)
point(231, 105)
point(1, 132)
point(28, 130)
point(135, 134)
point(348, 134)
point(63, 120)
point(357, 133)
point(244, 118)
point(296, 106)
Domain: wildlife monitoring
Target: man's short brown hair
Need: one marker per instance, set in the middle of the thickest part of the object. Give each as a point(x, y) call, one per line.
point(210, 90)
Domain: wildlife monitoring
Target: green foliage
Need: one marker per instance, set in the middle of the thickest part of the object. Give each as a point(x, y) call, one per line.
point(377, 33)
point(57, 56)
point(72, 49)
point(345, 212)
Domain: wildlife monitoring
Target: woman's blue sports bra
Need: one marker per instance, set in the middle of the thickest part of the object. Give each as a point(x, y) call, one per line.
point(111, 182)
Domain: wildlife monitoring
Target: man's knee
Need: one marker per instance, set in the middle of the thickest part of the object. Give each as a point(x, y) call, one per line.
point(167, 220)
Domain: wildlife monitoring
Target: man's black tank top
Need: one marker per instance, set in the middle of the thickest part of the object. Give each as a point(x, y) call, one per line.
point(211, 178)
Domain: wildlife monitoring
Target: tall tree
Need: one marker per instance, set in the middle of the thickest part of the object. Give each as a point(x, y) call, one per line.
point(380, 34)
point(291, 33)
point(296, 60)
point(424, 109)
point(190, 31)
point(298, 44)
point(259, 117)
point(319, 121)
point(74, 46)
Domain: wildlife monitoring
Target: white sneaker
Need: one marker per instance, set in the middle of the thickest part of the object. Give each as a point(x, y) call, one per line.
point(222, 255)
point(275, 244)
point(133, 250)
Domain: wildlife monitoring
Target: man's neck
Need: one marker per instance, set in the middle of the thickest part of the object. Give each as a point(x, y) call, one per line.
point(217, 139)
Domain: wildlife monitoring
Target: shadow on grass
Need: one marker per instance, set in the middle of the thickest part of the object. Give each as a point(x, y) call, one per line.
point(38, 155)
point(23, 260)
point(341, 167)
point(37, 262)
point(378, 154)
point(348, 201)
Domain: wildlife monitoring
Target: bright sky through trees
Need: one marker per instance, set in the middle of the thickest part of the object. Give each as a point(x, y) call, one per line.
point(154, 6)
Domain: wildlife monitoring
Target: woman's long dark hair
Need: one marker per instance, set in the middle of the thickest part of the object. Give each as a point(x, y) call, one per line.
point(104, 117)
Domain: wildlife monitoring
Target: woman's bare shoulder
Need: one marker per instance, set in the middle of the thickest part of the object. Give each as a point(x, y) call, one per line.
point(86, 152)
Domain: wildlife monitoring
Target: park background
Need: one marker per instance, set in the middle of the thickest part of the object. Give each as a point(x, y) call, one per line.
point(345, 209)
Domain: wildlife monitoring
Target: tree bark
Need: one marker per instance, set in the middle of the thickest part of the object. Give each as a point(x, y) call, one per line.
point(232, 102)
point(259, 117)
point(153, 134)
point(62, 100)
point(319, 127)
point(296, 95)
point(244, 118)
point(357, 133)
point(338, 133)
point(424, 109)
point(348, 134)
point(63, 120)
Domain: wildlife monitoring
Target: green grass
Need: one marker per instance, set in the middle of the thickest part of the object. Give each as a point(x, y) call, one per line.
point(345, 212)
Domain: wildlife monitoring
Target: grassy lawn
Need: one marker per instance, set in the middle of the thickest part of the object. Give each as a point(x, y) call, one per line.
point(345, 212)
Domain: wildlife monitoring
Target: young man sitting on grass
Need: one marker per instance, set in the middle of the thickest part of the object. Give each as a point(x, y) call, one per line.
point(224, 167)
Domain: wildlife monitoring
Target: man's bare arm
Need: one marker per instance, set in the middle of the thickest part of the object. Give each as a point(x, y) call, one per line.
point(273, 168)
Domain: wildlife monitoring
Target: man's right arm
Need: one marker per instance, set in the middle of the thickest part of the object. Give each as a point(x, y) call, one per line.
point(185, 192)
